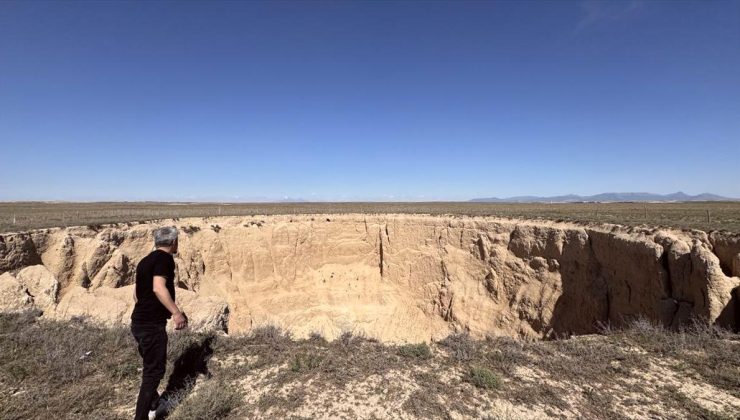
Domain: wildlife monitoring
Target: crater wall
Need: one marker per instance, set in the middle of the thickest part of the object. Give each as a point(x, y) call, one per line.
point(393, 277)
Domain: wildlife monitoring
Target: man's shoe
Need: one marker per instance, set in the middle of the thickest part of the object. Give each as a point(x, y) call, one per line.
point(162, 408)
point(154, 406)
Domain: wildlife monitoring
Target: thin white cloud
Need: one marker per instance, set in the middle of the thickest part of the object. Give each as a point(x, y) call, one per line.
point(594, 12)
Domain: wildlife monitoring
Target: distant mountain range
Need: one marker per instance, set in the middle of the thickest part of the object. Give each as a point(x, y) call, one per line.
point(608, 197)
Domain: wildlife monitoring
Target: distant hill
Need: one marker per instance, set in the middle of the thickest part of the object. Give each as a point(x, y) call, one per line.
point(608, 197)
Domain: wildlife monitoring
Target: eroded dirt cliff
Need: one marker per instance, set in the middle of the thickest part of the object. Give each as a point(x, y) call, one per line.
point(391, 277)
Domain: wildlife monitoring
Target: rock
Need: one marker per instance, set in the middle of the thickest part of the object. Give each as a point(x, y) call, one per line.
point(40, 284)
point(61, 259)
point(204, 313)
point(117, 272)
point(13, 296)
point(535, 241)
point(539, 263)
point(17, 250)
point(726, 246)
point(113, 306)
point(105, 305)
point(678, 258)
point(633, 270)
point(715, 287)
point(668, 308)
point(683, 314)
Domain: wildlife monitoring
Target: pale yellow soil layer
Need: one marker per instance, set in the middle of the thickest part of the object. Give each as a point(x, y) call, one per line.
point(397, 278)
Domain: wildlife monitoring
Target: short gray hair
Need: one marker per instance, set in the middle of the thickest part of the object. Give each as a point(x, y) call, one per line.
point(165, 236)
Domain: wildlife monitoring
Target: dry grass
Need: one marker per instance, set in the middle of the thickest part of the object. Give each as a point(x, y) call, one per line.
point(21, 216)
point(44, 373)
point(214, 399)
point(705, 352)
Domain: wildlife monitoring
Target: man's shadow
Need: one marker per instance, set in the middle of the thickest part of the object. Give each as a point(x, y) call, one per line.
point(187, 367)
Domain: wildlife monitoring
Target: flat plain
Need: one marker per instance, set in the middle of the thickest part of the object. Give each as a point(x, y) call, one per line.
point(707, 216)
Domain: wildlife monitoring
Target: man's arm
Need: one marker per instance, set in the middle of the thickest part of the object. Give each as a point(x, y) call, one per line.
point(160, 290)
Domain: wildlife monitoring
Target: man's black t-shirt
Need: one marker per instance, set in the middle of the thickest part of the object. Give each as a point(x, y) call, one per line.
point(148, 309)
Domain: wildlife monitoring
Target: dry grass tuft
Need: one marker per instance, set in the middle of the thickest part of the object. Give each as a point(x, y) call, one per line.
point(461, 346)
point(213, 399)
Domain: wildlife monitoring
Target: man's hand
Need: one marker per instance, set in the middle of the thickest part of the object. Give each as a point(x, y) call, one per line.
point(163, 295)
point(180, 320)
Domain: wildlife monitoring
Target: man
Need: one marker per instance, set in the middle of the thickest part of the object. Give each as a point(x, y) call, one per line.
point(155, 303)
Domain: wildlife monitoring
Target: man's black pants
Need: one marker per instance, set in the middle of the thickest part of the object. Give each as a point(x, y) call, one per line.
point(152, 341)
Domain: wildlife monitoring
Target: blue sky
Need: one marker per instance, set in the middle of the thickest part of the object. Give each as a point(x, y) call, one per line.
point(367, 100)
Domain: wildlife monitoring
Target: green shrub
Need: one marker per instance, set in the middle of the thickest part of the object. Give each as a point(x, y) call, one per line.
point(482, 378)
point(305, 362)
point(417, 351)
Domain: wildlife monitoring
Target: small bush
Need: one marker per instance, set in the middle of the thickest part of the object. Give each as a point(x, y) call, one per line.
point(16, 371)
point(216, 228)
point(461, 346)
point(305, 362)
point(189, 230)
point(417, 351)
point(316, 337)
point(350, 340)
point(482, 378)
point(270, 334)
point(346, 339)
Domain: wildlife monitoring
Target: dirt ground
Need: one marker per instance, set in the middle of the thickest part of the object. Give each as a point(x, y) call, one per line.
point(75, 370)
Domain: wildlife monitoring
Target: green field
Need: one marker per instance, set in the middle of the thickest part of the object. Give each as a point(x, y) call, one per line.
point(21, 216)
